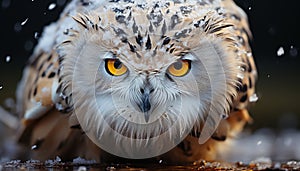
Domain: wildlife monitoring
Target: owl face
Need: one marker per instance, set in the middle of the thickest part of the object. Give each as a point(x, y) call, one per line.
point(146, 74)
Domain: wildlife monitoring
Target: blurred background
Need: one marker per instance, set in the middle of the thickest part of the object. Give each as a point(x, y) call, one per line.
point(276, 47)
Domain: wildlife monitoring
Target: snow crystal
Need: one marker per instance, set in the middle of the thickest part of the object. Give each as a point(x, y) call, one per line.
point(253, 98)
point(8, 58)
point(280, 51)
point(24, 22)
point(51, 6)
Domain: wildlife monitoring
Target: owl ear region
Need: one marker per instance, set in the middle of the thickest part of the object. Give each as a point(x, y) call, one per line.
point(115, 67)
point(179, 68)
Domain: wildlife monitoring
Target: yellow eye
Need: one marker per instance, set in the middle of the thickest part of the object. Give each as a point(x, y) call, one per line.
point(115, 67)
point(180, 68)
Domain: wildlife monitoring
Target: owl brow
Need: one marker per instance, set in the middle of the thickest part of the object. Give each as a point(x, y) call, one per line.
point(187, 56)
point(110, 55)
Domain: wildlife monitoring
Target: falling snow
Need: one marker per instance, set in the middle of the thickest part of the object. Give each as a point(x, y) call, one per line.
point(51, 6)
point(253, 98)
point(259, 143)
point(1, 87)
point(36, 35)
point(33, 147)
point(280, 51)
point(8, 58)
point(24, 22)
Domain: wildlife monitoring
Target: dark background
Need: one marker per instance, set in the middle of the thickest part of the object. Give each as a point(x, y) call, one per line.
point(274, 24)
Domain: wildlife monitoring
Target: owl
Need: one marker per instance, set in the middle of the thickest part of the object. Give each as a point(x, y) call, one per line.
point(138, 79)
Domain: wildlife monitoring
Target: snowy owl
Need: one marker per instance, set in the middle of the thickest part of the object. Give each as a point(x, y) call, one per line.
point(137, 79)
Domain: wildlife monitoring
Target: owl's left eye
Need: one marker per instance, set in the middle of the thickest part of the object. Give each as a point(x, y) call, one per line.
point(115, 67)
point(180, 68)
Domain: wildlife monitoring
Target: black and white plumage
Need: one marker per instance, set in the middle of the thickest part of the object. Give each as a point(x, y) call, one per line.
point(138, 79)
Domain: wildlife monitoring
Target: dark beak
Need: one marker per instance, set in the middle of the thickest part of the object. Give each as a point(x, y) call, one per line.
point(145, 105)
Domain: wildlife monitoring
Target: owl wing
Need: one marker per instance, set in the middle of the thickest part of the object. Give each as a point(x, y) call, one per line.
point(47, 124)
point(239, 115)
point(36, 93)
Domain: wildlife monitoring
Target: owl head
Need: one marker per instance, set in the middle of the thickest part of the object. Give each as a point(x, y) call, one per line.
point(142, 76)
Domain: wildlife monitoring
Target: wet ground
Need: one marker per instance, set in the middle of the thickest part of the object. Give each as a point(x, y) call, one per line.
point(201, 165)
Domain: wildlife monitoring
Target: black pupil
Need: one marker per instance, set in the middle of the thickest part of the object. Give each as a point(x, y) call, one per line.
point(178, 65)
point(118, 64)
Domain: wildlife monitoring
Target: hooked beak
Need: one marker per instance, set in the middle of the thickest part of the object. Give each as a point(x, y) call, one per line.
point(145, 105)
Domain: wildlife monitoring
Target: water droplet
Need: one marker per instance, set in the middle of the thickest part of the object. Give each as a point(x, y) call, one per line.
point(24, 22)
point(280, 51)
point(253, 98)
point(51, 6)
point(293, 51)
point(8, 58)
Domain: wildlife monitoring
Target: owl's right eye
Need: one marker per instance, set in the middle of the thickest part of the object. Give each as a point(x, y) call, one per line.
point(180, 68)
point(115, 67)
